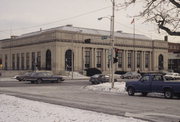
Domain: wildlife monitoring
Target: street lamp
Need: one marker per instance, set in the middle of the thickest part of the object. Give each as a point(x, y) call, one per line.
point(110, 50)
point(112, 40)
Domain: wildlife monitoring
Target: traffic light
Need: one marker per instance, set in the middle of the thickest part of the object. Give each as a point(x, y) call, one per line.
point(116, 52)
point(115, 60)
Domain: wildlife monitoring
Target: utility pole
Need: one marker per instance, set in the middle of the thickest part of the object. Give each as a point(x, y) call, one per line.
point(112, 38)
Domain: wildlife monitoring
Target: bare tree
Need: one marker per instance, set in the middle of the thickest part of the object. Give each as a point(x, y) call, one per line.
point(165, 13)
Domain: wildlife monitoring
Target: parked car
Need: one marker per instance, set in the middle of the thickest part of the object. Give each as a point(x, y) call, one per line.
point(99, 78)
point(131, 75)
point(23, 76)
point(172, 76)
point(153, 83)
point(116, 76)
point(39, 77)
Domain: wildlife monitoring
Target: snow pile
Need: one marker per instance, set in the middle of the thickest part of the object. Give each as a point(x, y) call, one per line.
point(77, 75)
point(119, 87)
point(7, 79)
point(14, 109)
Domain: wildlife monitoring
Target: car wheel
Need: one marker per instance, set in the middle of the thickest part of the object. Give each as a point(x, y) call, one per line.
point(131, 91)
point(59, 80)
point(144, 93)
point(168, 94)
point(39, 81)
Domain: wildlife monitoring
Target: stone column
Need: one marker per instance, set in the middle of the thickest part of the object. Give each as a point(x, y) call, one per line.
point(124, 60)
point(15, 61)
point(106, 59)
point(3, 61)
point(83, 58)
point(150, 61)
point(92, 57)
point(20, 61)
point(57, 60)
point(142, 61)
point(135, 61)
point(95, 57)
point(103, 60)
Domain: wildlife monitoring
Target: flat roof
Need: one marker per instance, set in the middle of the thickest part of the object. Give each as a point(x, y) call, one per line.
point(89, 31)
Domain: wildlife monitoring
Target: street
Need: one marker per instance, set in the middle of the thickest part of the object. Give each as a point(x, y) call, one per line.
point(72, 93)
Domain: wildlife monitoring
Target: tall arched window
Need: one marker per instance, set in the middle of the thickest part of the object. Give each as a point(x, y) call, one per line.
point(68, 60)
point(161, 62)
point(48, 60)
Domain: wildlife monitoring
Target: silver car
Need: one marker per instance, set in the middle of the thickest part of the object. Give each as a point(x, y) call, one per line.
point(131, 75)
point(99, 78)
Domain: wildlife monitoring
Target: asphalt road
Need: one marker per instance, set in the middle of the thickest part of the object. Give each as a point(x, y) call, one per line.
point(72, 93)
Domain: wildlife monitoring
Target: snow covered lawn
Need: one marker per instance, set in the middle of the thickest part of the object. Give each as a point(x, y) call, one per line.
point(13, 109)
point(119, 87)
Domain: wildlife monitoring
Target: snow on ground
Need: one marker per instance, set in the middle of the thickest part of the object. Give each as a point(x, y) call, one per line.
point(13, 109)
point(119, 87)
point(7, 79)
point(76, 75)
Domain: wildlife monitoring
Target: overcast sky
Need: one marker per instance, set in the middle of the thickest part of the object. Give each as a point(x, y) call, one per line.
point(23, 16)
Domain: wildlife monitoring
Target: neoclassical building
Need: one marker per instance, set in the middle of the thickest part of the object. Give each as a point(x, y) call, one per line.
point(63, 48)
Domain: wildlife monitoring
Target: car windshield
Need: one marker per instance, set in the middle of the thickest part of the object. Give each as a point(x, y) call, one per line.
point(48, 74)
point(27, 73)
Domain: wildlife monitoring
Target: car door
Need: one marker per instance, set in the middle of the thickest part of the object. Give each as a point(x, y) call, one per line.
point(51, 77)
point(145, 84)
point(157, 83)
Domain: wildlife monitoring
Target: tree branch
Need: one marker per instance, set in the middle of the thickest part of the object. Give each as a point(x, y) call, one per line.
point(175, 3)
point(168, 30)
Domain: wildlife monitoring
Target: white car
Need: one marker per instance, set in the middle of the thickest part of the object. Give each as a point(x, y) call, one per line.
point(131, 75)
point(172, 76)
point(116, 76)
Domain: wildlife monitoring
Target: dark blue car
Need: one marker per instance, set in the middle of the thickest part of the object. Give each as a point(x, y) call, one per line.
point(153, 83)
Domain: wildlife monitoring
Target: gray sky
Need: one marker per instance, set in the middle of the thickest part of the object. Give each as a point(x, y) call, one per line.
point(23, 16)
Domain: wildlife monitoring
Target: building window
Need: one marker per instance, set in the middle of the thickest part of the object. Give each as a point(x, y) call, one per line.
point(13, 61)
point(27, 61)
point(129, 59)
point(48, 60)
point(147, 60)
point(33, 61)
point(109, 58)
point(6, 62)
point(120, 59)
point(22, 61)
point(161, 62)
point(99, 55)
point(68, 60)
point(87, 59)
point(18, 59)
point(39, 60)
point(138, 59)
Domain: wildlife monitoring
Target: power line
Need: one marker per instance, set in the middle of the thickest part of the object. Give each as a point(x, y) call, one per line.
point(68, 18)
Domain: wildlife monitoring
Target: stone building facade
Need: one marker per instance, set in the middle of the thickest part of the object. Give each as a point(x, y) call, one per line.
point(174, 57)
point(56, 49)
